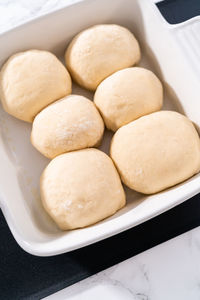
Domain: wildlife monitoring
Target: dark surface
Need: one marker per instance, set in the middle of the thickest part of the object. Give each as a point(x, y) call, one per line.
point(23, 276)
point(176, 11)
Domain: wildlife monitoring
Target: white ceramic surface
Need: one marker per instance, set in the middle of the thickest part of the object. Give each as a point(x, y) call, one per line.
point(21, 165)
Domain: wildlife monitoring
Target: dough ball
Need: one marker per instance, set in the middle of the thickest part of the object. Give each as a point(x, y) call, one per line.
point(156, 151)
point(69, 124)
point(81, 188)
point(31, 80)
point(127, 95)
point(99, 51)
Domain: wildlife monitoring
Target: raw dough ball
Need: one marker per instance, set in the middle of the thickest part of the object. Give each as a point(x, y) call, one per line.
point(127, 95)
point(69, 124)
point(81, 188)
point(31, 80)
point(156, 151)
point(99, 51)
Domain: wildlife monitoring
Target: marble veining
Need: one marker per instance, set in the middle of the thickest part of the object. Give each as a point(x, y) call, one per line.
point(170, 271)
point(16, 12)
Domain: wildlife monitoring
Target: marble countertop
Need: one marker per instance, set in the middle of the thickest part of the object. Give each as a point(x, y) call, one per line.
point(170, 271)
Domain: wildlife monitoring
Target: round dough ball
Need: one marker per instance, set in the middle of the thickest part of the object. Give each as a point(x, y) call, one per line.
point(81, 188)
point(69, 124)
point(99, 51)
point(127, 95)
point(31, 80)
point(156, 151)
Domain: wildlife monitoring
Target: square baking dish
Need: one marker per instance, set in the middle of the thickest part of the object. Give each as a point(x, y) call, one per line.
point(171, 51)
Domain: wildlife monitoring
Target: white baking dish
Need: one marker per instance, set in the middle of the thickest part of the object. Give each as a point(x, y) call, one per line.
point(172, 52)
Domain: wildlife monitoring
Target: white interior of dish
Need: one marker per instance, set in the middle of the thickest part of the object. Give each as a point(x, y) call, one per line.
point(21, 165)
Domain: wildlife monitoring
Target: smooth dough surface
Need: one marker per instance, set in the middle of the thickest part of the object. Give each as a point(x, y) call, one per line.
point(127, 95)
point(99, 51)
point(71, 123)
point(81, 188)
point(156, 151)
point(31, 80)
